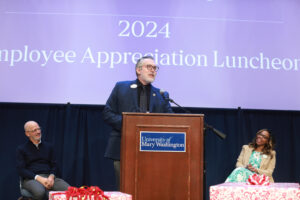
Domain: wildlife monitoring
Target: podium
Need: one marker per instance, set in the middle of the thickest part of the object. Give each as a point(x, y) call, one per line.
point(162, 156)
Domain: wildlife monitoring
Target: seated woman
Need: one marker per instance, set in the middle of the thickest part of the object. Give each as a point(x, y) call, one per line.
point(257, 157)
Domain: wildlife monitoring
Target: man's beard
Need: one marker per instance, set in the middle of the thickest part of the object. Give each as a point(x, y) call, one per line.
point(148, 79)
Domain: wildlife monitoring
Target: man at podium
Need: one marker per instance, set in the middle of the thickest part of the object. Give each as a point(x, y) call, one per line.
point(133, 96)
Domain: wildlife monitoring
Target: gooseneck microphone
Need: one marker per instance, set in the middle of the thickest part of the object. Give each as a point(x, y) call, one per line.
point(167, 98)
point(206, 126)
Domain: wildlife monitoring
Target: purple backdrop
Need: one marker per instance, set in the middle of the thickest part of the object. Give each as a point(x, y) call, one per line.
point(211, 53)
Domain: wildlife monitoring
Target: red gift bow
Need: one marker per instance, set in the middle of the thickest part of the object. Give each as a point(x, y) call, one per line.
point(85, 193)
point(258, 180)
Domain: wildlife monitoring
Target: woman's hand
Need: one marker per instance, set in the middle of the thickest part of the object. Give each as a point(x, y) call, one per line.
point(251, 168)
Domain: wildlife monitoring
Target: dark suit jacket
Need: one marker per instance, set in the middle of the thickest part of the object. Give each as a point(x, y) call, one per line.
point(124, 99)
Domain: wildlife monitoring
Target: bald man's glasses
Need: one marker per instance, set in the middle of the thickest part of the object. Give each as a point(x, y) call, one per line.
point(34, 130)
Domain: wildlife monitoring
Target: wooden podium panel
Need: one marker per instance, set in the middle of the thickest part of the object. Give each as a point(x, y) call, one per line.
point(162, 174)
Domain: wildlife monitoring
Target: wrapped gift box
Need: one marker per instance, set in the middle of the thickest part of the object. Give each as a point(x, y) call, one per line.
point(57, 195)
point(241, 191)
point(118, 196)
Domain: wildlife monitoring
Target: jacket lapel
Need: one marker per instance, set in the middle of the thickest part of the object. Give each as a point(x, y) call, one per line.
point(264, 158)
point(133, 95)
point(248, 155)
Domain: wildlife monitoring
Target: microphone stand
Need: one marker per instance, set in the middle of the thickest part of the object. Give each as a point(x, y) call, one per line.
point(182, 108)
point(206, 126)
point(216, 131)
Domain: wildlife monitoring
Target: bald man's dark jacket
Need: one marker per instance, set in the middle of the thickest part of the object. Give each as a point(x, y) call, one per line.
point(32, 160)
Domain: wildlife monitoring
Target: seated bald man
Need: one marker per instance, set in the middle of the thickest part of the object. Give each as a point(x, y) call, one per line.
point(36, 164)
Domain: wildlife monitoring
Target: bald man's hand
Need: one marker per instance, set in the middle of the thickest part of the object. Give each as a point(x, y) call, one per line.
point(44, 181)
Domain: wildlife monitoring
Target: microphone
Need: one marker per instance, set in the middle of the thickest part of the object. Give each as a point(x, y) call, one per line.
point(167, 98)
point(206, 126)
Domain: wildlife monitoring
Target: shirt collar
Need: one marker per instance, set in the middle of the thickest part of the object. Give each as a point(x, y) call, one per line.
point(36, 145)
point(139, 84)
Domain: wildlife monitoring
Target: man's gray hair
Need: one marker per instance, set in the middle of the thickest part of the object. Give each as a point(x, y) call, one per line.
point(140, 61)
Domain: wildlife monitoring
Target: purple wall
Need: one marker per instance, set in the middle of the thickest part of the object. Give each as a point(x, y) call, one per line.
point(211, 53)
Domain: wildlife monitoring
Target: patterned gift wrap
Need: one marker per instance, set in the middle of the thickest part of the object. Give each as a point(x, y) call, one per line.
point(243, 191)
point(118, 196)
point(57, 195)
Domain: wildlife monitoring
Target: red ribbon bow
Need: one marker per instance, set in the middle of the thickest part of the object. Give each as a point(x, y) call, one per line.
point(86, 193)
point(256, 179)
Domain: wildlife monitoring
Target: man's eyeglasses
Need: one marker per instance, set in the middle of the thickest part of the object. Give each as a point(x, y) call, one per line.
point(35, 130)
point(152, 67)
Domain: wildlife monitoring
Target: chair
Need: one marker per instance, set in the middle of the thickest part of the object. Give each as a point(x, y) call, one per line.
point(25, 194)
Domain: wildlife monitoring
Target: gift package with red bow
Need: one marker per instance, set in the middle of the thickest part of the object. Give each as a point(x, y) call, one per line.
point(256, 179)
point(87, 193)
